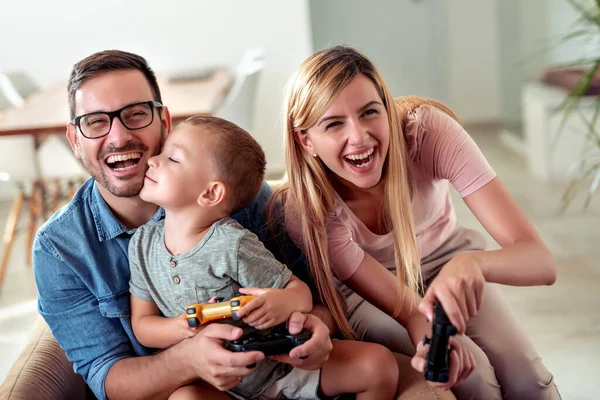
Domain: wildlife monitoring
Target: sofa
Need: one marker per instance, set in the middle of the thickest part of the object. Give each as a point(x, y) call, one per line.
point(42, 371)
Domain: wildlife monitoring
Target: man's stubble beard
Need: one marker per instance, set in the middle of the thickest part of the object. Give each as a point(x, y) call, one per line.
point(135, 183)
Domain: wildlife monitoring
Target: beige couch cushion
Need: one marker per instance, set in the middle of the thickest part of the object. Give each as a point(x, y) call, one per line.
point(42, 371)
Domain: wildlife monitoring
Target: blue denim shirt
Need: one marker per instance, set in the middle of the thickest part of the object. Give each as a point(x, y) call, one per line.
point(81, 268)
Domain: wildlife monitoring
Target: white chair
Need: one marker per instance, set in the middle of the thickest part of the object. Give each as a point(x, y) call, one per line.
point(18, 167)
point(239, 104)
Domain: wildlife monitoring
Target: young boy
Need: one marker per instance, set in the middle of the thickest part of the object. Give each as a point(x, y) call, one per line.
point(208, 169)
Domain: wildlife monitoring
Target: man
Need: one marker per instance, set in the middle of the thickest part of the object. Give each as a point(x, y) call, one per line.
point(80, 255)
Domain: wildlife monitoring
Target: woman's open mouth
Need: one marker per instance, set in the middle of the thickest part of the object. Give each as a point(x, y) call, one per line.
point(361, 160)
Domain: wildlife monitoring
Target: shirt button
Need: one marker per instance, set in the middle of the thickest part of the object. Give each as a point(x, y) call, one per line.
point(173, 263)
point(177, 280)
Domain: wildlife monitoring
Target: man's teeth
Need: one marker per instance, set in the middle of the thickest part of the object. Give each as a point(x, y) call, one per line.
point(360, 156)
point(122, 157)
point(124, 168)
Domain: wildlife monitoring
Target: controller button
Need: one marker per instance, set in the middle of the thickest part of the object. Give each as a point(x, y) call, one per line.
point(190, 310)
point(234, 303)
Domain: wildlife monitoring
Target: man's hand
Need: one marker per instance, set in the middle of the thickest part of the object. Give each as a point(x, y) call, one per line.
point(461, 365)
point(221, 368)
point(312, 354)
point(271, 307)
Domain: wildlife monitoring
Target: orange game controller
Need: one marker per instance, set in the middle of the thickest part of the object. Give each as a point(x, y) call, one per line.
point(200, 314)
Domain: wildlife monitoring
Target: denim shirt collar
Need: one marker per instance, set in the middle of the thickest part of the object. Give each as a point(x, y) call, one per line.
point(107, 225)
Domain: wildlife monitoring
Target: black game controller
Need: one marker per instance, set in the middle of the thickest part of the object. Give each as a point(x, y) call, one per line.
point(436, 368)
point(271, 342)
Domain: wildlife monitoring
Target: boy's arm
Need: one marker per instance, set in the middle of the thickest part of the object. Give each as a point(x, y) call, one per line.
point(275, 306)
point(297, 293)
point(153, 330)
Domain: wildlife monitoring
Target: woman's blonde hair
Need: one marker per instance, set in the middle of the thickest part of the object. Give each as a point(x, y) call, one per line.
point(308, 190)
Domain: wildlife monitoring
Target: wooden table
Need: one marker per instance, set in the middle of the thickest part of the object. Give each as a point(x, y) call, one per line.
point(47, 112)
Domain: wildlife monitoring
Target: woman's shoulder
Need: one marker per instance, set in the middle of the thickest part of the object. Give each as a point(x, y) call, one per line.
point(422, 125)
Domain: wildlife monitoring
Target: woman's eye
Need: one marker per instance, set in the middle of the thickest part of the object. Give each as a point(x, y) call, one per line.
point(333, 124)
point(175, 161)
point(370, 112)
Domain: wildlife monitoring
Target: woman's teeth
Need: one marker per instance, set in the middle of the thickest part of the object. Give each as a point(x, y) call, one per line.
point(361, 160)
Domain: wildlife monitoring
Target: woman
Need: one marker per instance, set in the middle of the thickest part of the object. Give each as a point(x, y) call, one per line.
point(367, 199)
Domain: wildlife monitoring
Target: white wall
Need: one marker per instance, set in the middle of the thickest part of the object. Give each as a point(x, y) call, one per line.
point(473, 60)
point(46, 38)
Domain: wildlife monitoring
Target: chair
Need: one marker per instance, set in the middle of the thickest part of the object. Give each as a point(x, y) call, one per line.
point(239, 105)
point(16, 87)
point(19, 166)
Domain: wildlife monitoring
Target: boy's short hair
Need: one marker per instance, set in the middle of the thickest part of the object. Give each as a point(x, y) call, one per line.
point(237, 158)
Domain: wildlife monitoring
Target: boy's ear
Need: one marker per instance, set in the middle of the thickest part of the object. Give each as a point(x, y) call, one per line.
point(213, 195)
point(301, 137)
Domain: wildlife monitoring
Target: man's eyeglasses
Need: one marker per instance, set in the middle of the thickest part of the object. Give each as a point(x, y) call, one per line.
point(134, 116)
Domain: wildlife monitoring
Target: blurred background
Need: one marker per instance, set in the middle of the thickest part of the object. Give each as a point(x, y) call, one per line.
point(493, 62)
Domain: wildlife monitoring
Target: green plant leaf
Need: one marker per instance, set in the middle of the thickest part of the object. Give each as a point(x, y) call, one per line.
point(592, 134)
point(574, 185)
point(591, 14)
point(572, 99)
point(592, 189)
point(592, 32)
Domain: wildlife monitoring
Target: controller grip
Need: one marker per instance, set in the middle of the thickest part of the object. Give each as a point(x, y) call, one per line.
point(437, 367)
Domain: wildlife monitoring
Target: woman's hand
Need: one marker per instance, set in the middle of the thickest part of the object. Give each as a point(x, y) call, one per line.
point(312, 354)
point(461, 360)
point(459, 288)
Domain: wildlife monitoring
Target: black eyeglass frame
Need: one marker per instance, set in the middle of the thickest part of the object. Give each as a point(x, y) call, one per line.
point(153, 104)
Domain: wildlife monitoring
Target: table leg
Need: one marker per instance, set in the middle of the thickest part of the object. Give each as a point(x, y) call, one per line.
point(9, 232)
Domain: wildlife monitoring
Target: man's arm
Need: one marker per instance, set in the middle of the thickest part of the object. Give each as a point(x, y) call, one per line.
point(201, 357)
point(321, 312)
point(102, 352)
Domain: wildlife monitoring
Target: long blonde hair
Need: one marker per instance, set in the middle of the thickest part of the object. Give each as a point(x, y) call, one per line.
point(308, 190)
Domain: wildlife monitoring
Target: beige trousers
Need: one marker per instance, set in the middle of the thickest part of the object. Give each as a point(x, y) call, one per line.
point(508, 366)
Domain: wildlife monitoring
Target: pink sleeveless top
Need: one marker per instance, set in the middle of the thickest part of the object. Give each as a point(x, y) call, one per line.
point(440, 151)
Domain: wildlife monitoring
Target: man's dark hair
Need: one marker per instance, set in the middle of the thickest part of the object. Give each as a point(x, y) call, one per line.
point(237, 159)
point(106, 61)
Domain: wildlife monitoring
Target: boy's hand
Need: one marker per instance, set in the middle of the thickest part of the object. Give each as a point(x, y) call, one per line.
point(271, 307)
point(181, 324)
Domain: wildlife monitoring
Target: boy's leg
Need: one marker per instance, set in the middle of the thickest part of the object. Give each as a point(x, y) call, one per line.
point(367, 369)
point(413, 386)
point(198, 390)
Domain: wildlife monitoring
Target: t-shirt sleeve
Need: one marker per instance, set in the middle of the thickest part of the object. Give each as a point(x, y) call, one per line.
point(446, 151)
point(257, 267)
point(137, 284)
point(345, 254)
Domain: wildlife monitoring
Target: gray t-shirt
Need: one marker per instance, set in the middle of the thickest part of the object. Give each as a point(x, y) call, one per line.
point(227, 258)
